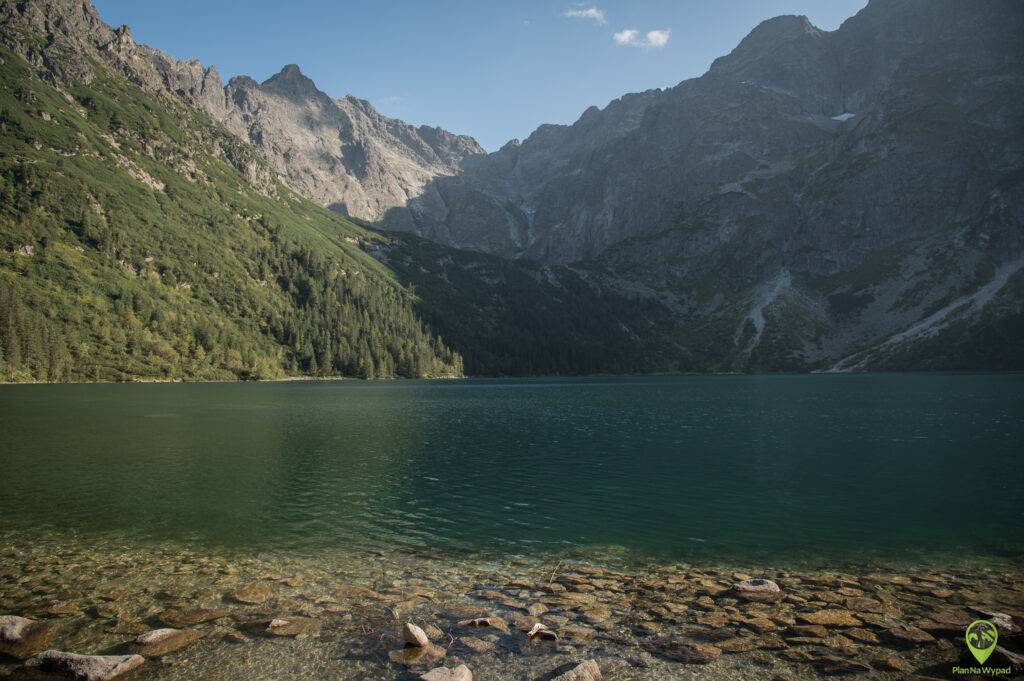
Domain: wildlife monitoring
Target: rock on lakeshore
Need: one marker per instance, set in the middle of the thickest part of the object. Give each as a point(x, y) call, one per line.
point(84, 667)
point(460, 673)
point(21, 637)
point(414, 636)
point(758, 590)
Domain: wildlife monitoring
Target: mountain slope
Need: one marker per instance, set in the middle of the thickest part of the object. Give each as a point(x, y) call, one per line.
point(815, 195)
point(129, 248)
point(340, 153)
point(139, 239)
point(840, 201)
point(787, 94)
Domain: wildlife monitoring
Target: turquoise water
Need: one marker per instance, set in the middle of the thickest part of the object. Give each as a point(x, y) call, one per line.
point(826, 467)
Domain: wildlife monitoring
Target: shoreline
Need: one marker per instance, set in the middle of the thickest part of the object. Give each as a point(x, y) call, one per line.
point(356, 379)
point(345, 610)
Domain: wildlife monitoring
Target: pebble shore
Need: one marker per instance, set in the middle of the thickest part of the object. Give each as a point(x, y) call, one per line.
point(94, 612)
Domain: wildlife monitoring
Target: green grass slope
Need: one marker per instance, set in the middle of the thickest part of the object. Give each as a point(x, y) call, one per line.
point(130, 248)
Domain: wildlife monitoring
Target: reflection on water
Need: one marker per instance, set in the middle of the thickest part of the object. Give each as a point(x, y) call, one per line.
point(816, 468)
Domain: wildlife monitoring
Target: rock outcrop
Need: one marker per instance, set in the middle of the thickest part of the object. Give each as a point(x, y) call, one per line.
point(341, 153)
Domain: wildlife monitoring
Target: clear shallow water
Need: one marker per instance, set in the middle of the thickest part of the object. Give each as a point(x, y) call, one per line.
point(831, 468)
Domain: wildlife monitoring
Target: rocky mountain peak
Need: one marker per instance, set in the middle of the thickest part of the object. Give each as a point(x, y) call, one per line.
point(292, 82)
point(782, 36)
point(785, 27)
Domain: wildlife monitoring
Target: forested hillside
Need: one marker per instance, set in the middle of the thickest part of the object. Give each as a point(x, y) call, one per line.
point(131, 248)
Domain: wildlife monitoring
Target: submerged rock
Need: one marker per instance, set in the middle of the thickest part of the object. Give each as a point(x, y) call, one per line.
point(290, 626)
point(585, 671)
point(418, 655)
point(460, 673)
point(64, 609)
point(21, 637)
point(833, 664)
point(178, 618)
point(1000, 619)
point(684, 650)
point(832, 617)
point(758, 590)
point(254, 594)
point(907, 634)
point(163, 641)
point(536, 609)
point(414, 636)
point(477, 645)
point(892, 663)
point(84, 667)
point(495, 622)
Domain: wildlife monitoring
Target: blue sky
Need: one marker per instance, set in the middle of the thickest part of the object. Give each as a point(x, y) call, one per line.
point(494, 70)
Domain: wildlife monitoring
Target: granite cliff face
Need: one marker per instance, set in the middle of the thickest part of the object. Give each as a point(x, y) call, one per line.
point(341, 153)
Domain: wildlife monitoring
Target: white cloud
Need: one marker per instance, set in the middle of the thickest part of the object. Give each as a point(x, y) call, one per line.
point(629, 36)
point(590, 13)
point(651, 40)
point(658, 38)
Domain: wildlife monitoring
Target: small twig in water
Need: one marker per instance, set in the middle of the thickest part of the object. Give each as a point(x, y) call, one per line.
point(557, 565)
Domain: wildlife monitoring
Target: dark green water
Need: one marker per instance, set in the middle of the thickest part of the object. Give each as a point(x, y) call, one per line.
point(836, 467)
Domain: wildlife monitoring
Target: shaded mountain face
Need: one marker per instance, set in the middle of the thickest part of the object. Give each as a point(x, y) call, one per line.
point(847, 199)
point(886, 87)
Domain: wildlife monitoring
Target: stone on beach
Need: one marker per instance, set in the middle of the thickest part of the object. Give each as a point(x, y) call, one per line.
point(758, 590)
point(163, 641)
point(460, 673)
point(22, 637)
point(84, 667)
point(585, 671)
point(414, 636)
